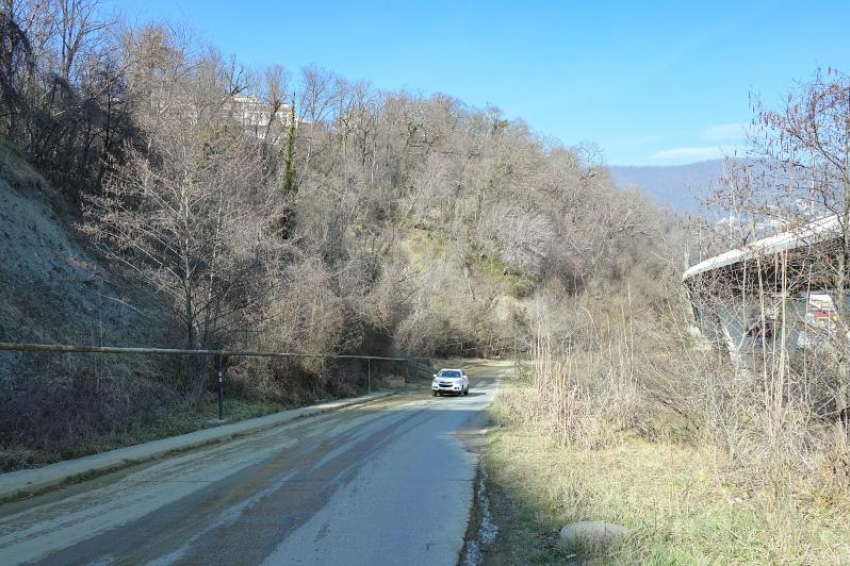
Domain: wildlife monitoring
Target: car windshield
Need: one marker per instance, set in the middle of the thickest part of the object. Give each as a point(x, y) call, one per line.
point(449, 373)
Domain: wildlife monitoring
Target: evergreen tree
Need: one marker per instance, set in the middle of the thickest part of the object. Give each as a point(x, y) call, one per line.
point(290, 189)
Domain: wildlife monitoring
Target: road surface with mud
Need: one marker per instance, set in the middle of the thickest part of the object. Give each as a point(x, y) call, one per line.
point(390, 482)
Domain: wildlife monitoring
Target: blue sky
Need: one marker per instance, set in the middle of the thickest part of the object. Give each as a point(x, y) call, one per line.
point(649, 82)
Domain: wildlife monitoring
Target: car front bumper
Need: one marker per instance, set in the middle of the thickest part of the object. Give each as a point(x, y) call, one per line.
point(447, 388)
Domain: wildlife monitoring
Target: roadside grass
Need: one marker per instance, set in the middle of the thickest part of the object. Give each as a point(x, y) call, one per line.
point(174, 423)
point(155, 421)
point(684, 504)
point(179, 420)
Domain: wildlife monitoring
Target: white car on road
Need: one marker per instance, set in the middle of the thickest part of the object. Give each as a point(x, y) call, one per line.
point(450, 381)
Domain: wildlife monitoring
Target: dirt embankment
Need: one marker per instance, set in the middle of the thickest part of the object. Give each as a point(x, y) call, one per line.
point(52, 290)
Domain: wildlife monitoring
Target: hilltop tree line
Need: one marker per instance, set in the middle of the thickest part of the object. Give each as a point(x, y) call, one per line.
point(299, 210)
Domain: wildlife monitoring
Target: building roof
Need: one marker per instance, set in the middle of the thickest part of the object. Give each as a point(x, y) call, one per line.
point(820, 230)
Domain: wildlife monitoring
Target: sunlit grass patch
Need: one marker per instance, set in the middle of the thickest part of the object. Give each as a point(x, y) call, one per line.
point(176, 422)
point(683, 503)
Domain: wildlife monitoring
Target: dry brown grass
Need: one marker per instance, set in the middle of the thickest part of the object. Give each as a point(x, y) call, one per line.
point(686, 503)
point(636, 424)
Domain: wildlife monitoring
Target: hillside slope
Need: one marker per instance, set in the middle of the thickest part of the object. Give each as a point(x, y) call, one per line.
point(51, 289)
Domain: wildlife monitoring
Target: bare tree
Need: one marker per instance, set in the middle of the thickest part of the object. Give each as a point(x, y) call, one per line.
point(274, 94)
point(319, 92)
point(188, 213)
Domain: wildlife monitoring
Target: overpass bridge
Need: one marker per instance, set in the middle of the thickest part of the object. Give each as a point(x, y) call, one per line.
point(784, 291)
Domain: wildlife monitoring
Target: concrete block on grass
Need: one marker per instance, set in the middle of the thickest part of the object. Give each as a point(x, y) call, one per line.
point(589, 536)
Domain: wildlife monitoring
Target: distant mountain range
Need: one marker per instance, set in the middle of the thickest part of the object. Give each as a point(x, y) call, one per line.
point(678, 186)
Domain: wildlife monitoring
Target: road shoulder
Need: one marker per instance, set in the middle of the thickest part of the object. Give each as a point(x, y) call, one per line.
point(28, 482)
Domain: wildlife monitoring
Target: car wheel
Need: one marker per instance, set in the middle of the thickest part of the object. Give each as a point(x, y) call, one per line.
point(466, 392)
point(435, 393)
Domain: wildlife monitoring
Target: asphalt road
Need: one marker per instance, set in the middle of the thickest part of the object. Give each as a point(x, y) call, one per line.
point(390, 482)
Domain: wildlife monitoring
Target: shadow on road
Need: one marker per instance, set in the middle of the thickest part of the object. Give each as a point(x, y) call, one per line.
point(471, 394)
